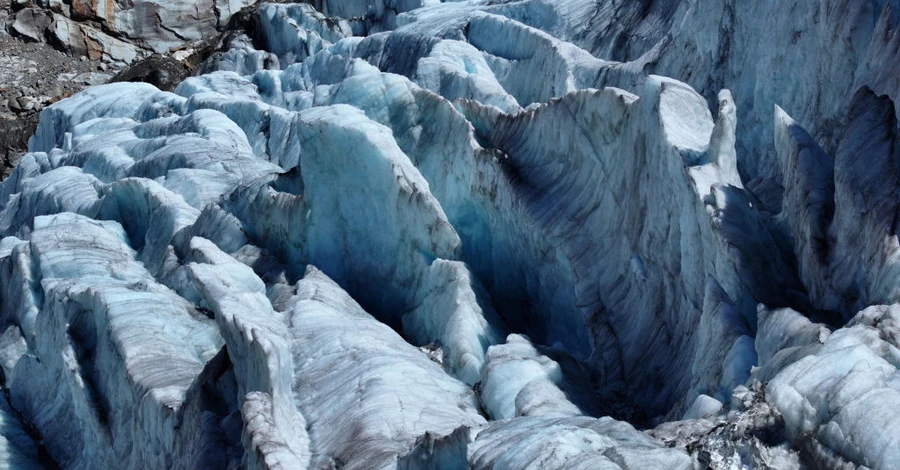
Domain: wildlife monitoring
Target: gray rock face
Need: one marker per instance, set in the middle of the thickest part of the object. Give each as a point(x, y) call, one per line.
point(120, 32)
point(31, 23)
point(159, 25)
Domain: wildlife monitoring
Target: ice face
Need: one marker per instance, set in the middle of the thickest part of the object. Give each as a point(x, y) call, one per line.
point(845, 393)
point(83, 378)
point(397, 392)
point(580, 442)
point(412, 234)
point(519, 381)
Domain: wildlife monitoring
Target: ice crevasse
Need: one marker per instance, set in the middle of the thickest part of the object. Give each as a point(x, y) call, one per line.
point(412, 234)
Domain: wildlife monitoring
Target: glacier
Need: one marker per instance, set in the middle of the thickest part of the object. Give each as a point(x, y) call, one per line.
point(481, 234)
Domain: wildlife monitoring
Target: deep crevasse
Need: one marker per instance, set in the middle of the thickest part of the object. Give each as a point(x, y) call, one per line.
point(218, 276)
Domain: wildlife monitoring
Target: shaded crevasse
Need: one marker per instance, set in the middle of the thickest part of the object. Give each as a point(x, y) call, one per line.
point(809, 202)
point(620, 143)
point(460, 178)
point(833, 200)
point(866, 174)
point(473, 212)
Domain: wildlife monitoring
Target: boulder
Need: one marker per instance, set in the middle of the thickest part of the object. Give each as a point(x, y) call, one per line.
point(31, 23)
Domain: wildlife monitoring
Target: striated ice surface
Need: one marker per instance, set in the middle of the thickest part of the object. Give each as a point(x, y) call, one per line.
point(579, 442)
point(480, 234)
point(400, 394)
point(840, 401)
point(519, 381)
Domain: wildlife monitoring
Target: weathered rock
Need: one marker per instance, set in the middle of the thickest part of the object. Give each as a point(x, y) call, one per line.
point(26, 102)
point(96, 45)
point(750, 436)
point(58, 6)
point(159, 25)
point(14, 135)
point(13, 105)
point(92, 78)
point(93, 9)
point(103, 46)
point(4, 20)
point(31, 23)
point(160, 71)
point(68, 35)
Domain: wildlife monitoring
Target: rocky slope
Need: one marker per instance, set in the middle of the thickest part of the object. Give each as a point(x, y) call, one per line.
point(53, 50)
point(484, 234)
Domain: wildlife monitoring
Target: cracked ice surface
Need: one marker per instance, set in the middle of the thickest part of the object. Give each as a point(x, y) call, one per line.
point(412, 234)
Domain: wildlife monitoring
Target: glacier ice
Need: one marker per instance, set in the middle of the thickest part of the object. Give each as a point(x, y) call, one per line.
point(577, 442)
point(843, 394)
point(382, 369)
point(519, 381)
point(479, 234)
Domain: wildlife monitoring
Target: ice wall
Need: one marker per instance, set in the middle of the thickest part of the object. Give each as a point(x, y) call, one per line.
point(449, 235)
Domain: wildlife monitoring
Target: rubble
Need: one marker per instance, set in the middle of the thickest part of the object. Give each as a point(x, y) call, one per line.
point(55, 48)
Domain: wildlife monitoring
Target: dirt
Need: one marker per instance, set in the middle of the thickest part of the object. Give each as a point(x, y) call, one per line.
point(32, 76)
point(35, 69)
point(14, 134)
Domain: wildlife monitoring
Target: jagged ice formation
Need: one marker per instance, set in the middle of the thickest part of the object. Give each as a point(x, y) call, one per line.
point(485, 234)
